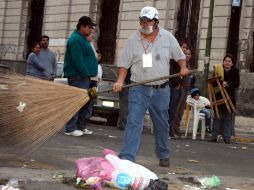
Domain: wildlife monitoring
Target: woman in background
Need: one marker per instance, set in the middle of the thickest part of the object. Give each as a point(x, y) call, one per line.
point(230, 81)
point(34, 67)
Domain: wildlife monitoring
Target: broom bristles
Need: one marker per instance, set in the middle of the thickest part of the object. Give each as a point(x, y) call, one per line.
point(32, 110)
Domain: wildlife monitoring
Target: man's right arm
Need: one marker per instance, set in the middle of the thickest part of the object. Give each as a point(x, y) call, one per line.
point(118, 85)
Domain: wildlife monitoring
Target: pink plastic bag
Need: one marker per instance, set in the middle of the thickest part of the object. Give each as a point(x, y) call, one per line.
point(95, 167)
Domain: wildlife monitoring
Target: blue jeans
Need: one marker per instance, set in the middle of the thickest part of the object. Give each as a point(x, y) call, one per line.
point(77, 121)
point(224, 120)
point(208, 116)
point(156, 101)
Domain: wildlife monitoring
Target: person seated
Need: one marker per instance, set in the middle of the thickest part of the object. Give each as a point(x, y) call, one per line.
point(202, 105)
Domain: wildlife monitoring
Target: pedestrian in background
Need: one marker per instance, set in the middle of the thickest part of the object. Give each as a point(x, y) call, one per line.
point(148, 52)
point(230, 81)
point(80, 64)
point(179, 87)
point(35, 67)
point(123, 103)
point(48, 58)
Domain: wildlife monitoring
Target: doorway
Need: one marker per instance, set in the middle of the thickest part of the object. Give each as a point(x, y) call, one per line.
point(106, 43)
point(187, 25)
point(233, 31)
point(35, 16)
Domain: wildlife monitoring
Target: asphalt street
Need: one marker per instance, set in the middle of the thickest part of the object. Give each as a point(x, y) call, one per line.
point(233, 163)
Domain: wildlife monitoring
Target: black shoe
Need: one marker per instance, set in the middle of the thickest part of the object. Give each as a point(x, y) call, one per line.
point(164, 163)
point(212, 140)
point(227, 141)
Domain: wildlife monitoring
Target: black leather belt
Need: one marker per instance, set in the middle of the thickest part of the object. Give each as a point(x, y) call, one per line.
point(163, 85)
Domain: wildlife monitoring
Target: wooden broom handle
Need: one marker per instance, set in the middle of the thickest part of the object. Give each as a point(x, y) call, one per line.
point(148, 81)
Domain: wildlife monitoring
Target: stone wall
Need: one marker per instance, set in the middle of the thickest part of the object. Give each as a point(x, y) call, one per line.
point(13, 22)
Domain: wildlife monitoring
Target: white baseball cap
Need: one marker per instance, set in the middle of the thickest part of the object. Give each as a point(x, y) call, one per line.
point(149, 12)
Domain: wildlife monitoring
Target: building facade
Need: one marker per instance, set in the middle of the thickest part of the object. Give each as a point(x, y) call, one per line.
point(211, 27)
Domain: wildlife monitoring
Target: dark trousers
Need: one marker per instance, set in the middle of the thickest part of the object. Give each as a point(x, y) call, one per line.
point(123, 111)
point(226, 121)
point(77, 121)
point(176, 109)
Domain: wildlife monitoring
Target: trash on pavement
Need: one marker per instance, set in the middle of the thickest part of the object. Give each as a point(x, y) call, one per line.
point(111, 136)
point(58, 177)
point(11, 185)
point(115, 172)
point(157, 185)
point(21, 106)
point(210, 182)
point(194, 161)
point(244, 148)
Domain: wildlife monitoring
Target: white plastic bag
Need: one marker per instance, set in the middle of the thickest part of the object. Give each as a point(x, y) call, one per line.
point(128, 174)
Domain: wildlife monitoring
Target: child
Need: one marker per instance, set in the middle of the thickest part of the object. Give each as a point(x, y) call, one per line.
point(203, 106)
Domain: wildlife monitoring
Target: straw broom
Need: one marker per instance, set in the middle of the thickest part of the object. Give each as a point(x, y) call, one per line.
point(32, 110)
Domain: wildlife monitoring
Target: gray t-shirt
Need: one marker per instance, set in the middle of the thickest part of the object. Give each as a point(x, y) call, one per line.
point(164, 48)
point(48, 59)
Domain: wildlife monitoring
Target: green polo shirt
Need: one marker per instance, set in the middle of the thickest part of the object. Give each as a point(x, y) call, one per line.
point(79, 59)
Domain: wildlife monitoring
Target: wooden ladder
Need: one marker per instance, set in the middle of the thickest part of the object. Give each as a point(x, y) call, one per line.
point(225, 97)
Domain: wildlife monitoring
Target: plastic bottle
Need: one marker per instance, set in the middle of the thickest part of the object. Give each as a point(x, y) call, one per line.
point(211, 182)
point(13, 182)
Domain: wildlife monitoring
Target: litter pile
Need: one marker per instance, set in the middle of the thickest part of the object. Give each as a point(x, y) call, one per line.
point(117, 173)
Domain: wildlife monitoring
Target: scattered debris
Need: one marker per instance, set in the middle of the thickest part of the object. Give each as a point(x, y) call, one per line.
point(114, 171)
point(58, 177)
point(114, 137)
point(190, 180)
point(11, 185)
point(210, 182)
point(21, 106)
point(194, 161)
point(244, 148)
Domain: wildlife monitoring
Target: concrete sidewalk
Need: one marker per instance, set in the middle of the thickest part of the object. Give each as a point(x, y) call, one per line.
point(244, 125)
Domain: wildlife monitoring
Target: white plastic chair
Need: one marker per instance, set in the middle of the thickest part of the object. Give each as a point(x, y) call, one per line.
point(196, 118)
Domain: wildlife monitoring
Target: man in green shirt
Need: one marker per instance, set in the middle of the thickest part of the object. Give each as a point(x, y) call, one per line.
point(80, 64)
